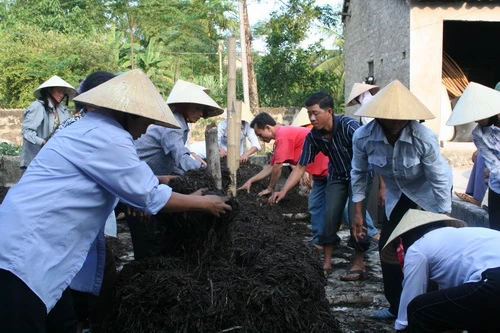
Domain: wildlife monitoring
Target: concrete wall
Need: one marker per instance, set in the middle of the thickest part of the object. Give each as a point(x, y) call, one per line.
point(378, 31)
point(426, 44)
point(10, 125)
point(10, 173)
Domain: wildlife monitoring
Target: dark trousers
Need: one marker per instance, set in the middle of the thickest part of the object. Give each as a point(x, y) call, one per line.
point(471, 306)
point(337, 193)
point(145, 236)
point(393, 274)
point(22, 311)
point(494, 209)
point(92, 307)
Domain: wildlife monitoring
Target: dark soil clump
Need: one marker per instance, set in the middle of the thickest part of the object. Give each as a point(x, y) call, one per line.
point(248, 271)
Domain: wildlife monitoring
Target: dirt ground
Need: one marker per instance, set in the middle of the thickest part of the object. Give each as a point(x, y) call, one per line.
point(350, 303)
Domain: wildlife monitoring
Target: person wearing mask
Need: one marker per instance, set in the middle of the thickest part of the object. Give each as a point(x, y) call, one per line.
point(481, 104)
point(43, 116)
point(82, 171)
point(405, 153)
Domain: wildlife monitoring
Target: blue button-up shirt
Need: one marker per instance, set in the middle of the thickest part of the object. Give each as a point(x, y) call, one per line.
point(487, 141)
point(164, 150)
point(246, 133)
point(338, 149)
point(50, 218)
point(414, 166)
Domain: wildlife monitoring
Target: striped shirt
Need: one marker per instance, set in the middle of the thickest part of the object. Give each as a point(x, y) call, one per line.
point(338, 149)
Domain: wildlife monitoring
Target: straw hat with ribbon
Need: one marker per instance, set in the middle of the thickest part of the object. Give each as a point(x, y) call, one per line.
point(187, 92)
point(412, 219)
point(301, 119)
point(55, 81)
point(358, 89)
point(246, 114)
point(477, 102)
point(395, 102)
point(131, 92)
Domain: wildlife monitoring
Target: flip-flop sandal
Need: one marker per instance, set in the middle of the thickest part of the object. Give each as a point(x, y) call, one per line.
point(359, 275)
point(328, 271)
point(382, 314)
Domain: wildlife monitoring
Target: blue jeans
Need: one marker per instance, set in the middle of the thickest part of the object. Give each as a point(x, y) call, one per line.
point(316, 207)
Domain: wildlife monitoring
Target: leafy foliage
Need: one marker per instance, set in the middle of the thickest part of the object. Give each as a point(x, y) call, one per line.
point(9, 150)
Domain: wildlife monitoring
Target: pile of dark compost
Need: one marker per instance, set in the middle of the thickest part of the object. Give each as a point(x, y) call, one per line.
point(247, 271)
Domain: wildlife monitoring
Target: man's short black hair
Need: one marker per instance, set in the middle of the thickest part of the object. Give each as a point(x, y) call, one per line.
point(261, 120)
point(322, 98)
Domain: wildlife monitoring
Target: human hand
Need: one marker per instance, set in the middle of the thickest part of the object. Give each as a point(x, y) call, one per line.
point(381, 196)
point(243, 158)
point(276, 197)
point(305, 180)
point(246, 186)
point(474, 156)
point(358, 230)
point(166, 179)
point(222, 152)
point(265, 192)
point(131, 211)
point(216, 205)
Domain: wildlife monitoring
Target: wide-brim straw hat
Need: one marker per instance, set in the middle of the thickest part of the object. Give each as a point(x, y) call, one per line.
point(358, 89)
point(131, 92)
point(55, 81)
point(395, 102)
point(412, 219)
point(246, 114)
point(302, 118)
point(477, 102)
point(187, 92)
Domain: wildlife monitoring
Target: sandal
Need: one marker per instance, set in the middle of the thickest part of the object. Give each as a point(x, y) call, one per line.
point(467, 198)
point(359, 275)
point(382, 314)
point(327, 271)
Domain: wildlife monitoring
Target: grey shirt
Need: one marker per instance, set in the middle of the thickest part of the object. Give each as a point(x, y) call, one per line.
point(164, 150)
point(38, 125)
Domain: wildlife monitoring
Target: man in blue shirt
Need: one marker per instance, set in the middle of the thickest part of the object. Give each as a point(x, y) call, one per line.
point(51, 217)
point(406, 154)
point(331, 135)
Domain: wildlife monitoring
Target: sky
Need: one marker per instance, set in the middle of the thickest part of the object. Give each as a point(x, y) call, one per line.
point(260, 11)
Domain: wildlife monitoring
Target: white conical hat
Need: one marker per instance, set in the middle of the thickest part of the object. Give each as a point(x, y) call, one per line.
point(55, 81)
point(358, 89)
point(414, 218)
point(246, 115)
point(477, 102)
point(131, 92)
point(395, 102)
point(301, 118)
point(187, 92)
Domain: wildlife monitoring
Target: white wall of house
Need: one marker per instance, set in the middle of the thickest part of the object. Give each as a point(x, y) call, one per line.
point(426, 45)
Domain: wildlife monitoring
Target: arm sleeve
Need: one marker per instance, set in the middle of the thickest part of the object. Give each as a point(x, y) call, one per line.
point(33, 118)
point(416, 276)
point(491, 160)
point(252, 137)
point(221, 133)
point(117, 168)
point(309, 151)
point(359, 171)
point(437, 172)
point(172, 143)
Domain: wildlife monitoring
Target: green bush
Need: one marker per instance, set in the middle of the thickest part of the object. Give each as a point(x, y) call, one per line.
point(10, 150)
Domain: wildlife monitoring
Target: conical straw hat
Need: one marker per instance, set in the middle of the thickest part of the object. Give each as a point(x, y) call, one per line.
point(395, 102)
point(412, 219)
point(246, 115)
point(55, 81)
point(476, 103)
point(131, 92)
point(358, 89)
point(301, 119)
point(187, 92)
